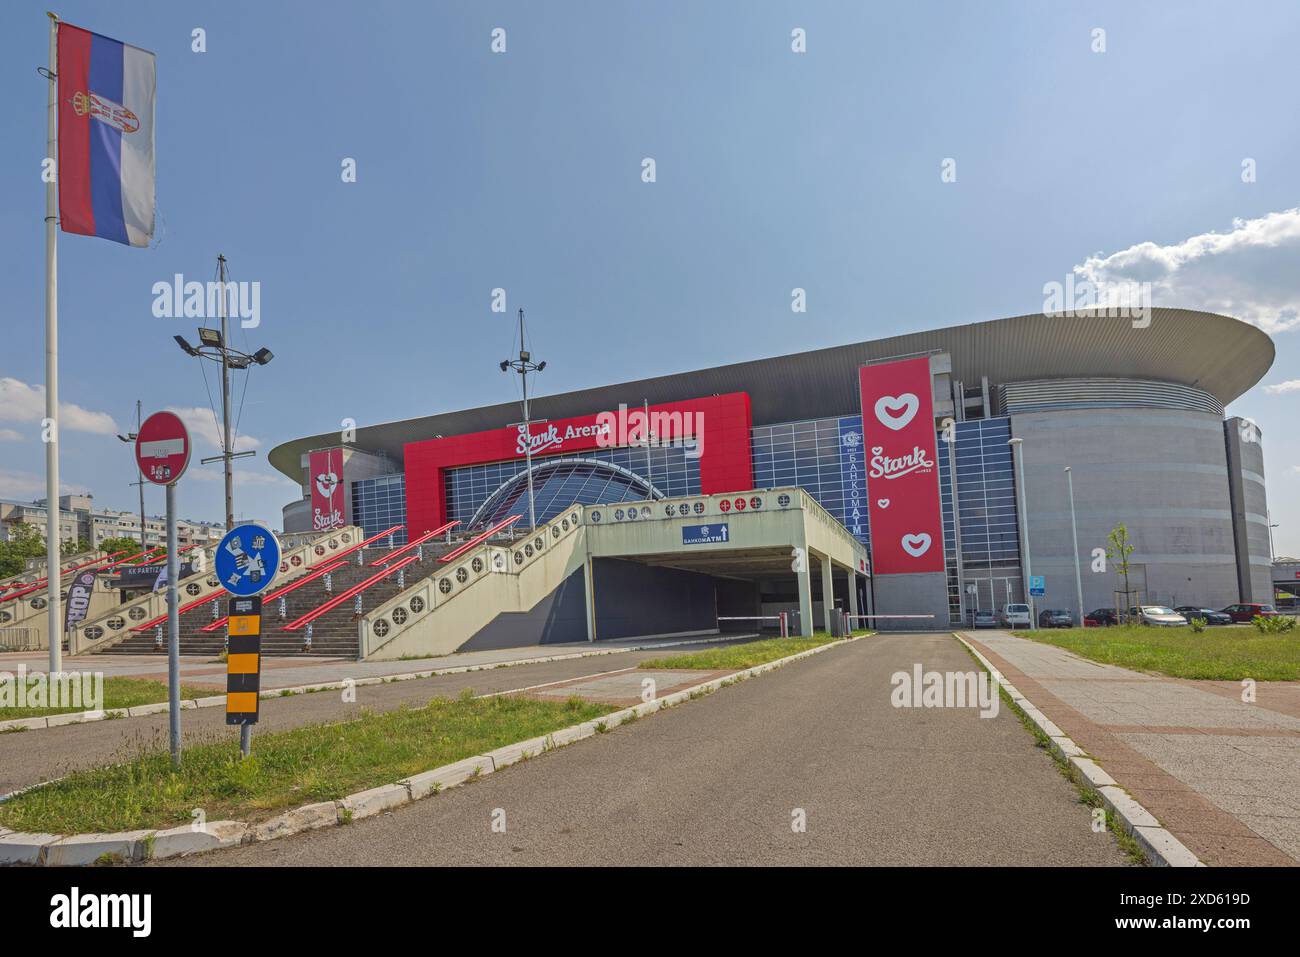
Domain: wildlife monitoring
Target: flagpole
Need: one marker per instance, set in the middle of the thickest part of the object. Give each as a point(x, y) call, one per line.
point(51, 429)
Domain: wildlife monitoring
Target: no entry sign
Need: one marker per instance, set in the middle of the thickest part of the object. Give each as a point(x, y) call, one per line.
point(162, 449)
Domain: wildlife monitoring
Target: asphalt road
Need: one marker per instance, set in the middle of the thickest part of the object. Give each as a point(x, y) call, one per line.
point(29, 757)
point(717, 781)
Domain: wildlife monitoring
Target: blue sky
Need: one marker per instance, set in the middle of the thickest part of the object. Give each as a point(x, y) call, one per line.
point(522, 170)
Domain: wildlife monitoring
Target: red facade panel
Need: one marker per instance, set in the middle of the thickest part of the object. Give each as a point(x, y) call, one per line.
point(724, 423)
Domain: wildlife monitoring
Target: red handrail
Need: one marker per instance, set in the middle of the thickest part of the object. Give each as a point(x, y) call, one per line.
point(180, 611)
point(42, 582)
point(456, 553)
point(339, 599)
point(296, 583)
point(349, 551)
point(163, 558)
point(414, 543)
point(131, 558)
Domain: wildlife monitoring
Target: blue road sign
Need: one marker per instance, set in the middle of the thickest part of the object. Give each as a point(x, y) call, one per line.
point(1037, 585)
point(704, 534)
point(248, 559)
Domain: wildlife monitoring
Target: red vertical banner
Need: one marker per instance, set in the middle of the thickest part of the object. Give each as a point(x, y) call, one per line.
point(327, 506)
point(902, 467)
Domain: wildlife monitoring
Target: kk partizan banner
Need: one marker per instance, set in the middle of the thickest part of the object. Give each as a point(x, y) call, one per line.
point(902, 470)
point(327, 505)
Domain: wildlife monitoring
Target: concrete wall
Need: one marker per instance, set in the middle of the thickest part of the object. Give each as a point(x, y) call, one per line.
point(558, 618)
point(634, 599)
point(1162, 473)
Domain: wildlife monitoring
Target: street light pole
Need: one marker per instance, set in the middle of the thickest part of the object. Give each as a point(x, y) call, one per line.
point(524, 365)
point(1018, 457)
point(130, 438)
point(215, 345)
point(227, 465)
point(1074, 531)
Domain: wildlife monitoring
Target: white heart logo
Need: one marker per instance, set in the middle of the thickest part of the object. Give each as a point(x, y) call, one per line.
point(894, 412)
point(916, 545)
point(883, 502)
point(327, 482)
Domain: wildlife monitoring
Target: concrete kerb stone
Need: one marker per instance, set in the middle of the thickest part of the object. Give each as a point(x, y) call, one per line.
point(449, 776)
point(18, 847)
point(373, 801)
point(80, 850)
point(305, 818)
point(186, 839)
point(137, 845)
point(27, 724)
point(1160, 846)
point(1164, 847)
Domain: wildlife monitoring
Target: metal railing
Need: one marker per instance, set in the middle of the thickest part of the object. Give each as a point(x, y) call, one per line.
point(354, 591)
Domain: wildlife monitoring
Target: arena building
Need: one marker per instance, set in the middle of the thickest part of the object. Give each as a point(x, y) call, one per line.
point(929, 486)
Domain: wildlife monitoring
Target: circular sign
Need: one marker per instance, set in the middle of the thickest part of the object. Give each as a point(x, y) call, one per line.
point(248, 559)
point(162, 449)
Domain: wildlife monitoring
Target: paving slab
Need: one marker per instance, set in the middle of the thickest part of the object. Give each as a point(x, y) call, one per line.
point(1223, 775)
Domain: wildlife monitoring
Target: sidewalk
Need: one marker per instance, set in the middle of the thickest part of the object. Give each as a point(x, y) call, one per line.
point(1221, 774)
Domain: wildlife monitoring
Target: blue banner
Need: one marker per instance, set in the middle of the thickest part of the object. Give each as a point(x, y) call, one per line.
point(853, 476)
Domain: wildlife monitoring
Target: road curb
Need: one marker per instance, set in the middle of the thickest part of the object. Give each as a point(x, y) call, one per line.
point(160, 844)
point(162, 707)
point(1159, 844)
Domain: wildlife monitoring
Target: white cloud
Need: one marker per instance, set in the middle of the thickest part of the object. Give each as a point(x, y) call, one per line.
point(1279, 388)
point(1248, 272)
point(10, 435)
point(20, 402)
point(25, 486)
point(204, 428)
point(213, 473)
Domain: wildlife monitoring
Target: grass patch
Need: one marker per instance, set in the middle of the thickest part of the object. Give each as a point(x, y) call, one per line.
point(119, 694)
point(287, 768)
point(740, 656)
point(1223, 653)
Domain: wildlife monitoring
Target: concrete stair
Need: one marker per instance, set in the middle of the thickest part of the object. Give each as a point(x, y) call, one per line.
point(334, 634)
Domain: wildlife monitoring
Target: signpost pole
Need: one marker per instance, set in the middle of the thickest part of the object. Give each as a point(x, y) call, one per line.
point(173, 630)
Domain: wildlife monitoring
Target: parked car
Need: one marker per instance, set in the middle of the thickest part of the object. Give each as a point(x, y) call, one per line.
point(1211, 616)
point(1014, 616)
point(1157, 615)
point(984, 618)
point(1054, 618)
point(1248, 610)
point(1102, 616)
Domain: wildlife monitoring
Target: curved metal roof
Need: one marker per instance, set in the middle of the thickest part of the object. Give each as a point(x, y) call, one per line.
point(1219, 354)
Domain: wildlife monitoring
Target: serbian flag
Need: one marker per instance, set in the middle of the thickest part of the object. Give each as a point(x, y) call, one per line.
point(106, 165)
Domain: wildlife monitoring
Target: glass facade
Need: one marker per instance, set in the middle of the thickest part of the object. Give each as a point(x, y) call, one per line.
point(990, 538)
point(826, 458)
point(557, 484)
point(669, 469)
point(379, 504)
point(823, 456)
